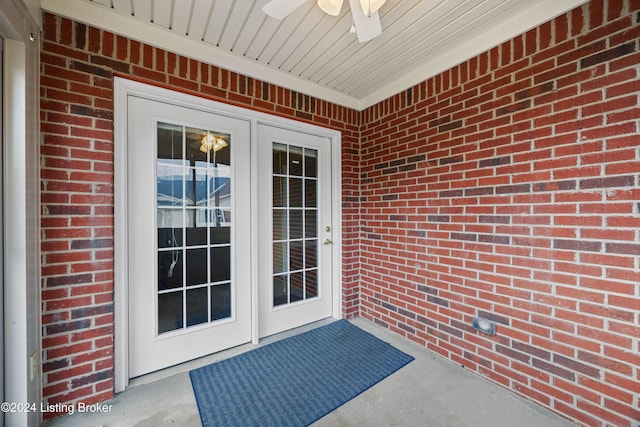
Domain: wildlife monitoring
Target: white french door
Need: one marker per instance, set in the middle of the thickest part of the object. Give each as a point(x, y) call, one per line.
point(189, 276)
point(295, 229)
point(223, 227)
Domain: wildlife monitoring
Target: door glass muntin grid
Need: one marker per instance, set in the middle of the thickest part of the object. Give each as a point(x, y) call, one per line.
point(193, 205)
point(295, 224)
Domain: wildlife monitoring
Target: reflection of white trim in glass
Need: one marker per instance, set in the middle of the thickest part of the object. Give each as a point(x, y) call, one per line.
point(213, 217)
point(167, 200)
point(180, 167)
point(170, 218)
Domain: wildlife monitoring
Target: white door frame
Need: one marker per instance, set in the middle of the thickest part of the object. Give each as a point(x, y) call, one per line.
point(122, 89)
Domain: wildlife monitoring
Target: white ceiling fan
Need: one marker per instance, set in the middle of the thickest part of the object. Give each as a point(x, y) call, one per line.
point(366, 20)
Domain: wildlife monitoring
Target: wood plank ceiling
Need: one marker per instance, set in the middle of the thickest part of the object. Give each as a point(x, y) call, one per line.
point(315, 53)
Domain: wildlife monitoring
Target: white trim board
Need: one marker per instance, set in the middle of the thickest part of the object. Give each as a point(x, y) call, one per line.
point(21, 284)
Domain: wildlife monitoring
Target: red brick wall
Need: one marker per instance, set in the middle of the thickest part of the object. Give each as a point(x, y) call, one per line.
point(508, 187)
point(77, 68)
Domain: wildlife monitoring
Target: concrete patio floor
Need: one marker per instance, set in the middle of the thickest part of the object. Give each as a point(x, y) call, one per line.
point(430, 391)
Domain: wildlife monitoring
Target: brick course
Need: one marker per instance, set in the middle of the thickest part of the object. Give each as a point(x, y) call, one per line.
point(523, 210)
point(506, 187)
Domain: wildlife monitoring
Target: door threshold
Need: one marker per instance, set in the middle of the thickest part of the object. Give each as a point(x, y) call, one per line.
point(295, 331)
point(224, 354)
point(189, 366)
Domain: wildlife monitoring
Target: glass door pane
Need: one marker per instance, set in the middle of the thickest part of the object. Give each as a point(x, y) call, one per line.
point(193, 205)
point(295, 223)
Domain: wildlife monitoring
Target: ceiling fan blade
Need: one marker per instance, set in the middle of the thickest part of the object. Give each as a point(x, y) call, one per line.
point(367, 27)
point(279, 9)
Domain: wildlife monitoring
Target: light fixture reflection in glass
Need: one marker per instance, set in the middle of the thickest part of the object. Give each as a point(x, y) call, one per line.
point(369, 7)
point(212, 142)
point(331, 7)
